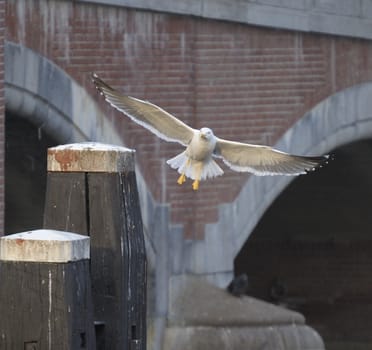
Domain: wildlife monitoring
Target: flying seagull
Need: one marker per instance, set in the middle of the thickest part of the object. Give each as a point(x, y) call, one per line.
point(197, 162)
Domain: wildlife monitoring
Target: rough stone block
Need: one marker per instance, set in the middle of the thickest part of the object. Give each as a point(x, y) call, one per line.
point(202, 316)
point(213, 306)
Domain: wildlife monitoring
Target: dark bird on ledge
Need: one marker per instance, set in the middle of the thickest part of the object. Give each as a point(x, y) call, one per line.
point(239, 285)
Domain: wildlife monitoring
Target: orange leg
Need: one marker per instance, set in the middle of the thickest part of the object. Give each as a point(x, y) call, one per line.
point(195, 185)
point(181, 179)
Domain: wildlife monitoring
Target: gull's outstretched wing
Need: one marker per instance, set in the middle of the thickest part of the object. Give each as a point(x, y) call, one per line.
point(150, 116)
point(264, 160)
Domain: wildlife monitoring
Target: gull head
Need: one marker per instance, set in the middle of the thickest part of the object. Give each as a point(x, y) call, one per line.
point(206, 134)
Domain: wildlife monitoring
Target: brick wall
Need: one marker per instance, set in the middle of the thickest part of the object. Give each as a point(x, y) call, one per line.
point(250, 84)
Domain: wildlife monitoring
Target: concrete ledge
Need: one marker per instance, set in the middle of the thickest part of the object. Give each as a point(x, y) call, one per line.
point(44, 246)
point(337, 17)
point(90, 157)
point(203, 317)
point(194, 302)
point(287, 337)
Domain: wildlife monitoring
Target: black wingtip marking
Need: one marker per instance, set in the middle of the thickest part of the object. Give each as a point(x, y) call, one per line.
point(100, 84)
point(96, 80)
point(320, 161)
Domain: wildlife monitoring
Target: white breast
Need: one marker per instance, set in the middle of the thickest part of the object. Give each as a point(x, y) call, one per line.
point(201, 148)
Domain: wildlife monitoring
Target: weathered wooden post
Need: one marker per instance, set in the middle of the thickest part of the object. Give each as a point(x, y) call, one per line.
point(45, 293)
point(91, 189)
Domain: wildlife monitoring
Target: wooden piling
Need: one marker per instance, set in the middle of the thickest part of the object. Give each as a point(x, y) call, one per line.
point(45, 294)
point(91, 189)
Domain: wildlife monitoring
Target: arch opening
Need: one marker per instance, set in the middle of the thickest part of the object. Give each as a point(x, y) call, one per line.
point(311, 250)
point(338, 120)
point(44, 107)
point(25, 173)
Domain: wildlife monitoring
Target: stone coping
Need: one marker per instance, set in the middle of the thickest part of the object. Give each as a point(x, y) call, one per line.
point(44, 246)
point(195, 302)
point(90, 157)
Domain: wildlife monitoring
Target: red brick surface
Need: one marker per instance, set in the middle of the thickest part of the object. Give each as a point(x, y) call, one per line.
point(249, 84)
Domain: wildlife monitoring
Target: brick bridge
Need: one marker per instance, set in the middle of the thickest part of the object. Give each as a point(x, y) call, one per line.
point(295, 74)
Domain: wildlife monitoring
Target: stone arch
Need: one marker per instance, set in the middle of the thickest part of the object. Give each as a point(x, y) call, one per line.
point(40, 91)
point(44, 94)
point(339, 119)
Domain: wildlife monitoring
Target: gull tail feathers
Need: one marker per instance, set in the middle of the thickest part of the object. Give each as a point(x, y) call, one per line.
point(211, 169)
point(194, 169)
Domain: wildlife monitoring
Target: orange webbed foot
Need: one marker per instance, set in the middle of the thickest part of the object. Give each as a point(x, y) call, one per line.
point(181, 179)
point(195, 185)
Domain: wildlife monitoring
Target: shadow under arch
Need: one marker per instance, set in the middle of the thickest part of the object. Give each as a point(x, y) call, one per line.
point(311, 249)
point(339, 119)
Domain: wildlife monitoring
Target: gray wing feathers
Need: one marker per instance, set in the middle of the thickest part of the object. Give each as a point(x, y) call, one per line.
point(264, 160)
point(150, 116)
